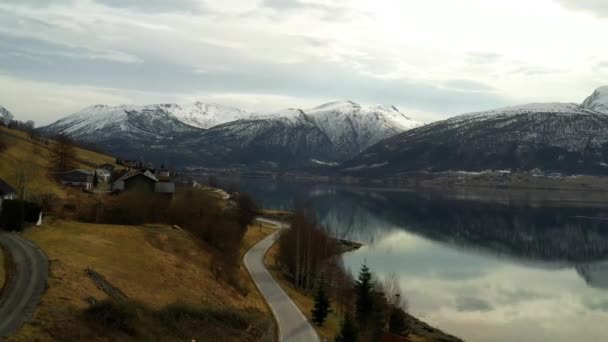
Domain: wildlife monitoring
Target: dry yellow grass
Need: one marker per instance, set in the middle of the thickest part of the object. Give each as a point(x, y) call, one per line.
point(25, 152)
point(154, 265)
point(305, 302)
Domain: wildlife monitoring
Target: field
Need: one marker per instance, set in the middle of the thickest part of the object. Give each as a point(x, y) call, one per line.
point(153, 265)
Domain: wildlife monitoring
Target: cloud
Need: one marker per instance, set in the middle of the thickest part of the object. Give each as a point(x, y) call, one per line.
point(157, 6)
point(468, 85)
point(535, 71)
point(597, 7)
point(472, 304)
point(39, 50)
point(328, 12)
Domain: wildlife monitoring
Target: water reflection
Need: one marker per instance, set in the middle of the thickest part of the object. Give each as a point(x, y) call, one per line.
point(483, 270)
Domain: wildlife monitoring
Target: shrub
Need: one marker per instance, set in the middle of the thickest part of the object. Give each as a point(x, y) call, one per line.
point(12, 215)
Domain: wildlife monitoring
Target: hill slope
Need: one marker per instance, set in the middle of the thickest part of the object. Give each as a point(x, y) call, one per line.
point(23, 151)
point(554, 137)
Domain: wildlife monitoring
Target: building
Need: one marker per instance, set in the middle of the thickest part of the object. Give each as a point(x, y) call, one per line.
point(77, 177)
point(119, 184)
point(106, 166)
point(6, 192)
point(143, 181)
point(103, 175)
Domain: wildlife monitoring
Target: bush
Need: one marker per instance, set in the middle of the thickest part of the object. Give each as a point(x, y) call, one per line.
point(114, 316)
point(12, 215)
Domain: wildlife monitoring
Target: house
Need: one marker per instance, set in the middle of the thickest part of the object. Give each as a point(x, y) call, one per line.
point(107, 166)
point(142, 181)
point(77, 177)
point(103, 174)
point(133, 178)
point(6, 192)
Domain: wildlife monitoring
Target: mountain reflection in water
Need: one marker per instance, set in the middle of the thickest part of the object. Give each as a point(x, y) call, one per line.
point(483, 270)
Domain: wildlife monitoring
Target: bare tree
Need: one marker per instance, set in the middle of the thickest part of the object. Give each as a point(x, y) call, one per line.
point(392, 290)
point(25, 173)
point(64, 154)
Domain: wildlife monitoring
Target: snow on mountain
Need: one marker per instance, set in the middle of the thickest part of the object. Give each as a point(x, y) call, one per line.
point(598, 101)
point(203, 115)
point(101, 122)
point(5, 116)
point(562, 137)
point(285, 139)
point(353, 128)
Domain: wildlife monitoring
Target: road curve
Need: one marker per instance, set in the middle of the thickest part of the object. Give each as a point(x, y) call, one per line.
point(26, 285)
point(293, 325)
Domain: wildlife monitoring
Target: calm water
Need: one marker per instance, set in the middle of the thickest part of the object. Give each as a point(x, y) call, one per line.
point(482, 270)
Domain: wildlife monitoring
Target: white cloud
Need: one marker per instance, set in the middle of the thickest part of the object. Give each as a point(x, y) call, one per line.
point(470, 55)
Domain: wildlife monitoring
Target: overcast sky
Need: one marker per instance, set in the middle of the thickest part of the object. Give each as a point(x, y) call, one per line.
point(431, 58)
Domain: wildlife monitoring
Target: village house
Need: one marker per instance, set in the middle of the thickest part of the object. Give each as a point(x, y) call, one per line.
point(77, 177)
point(143, 181)
point(104, 172)
point(6, 192)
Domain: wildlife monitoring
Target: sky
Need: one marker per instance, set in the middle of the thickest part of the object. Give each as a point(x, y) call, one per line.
point(431, 58)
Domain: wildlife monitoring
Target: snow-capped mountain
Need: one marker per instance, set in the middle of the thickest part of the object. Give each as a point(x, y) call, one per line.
point(598, 101)
point(562, 137)
point(204, 115)
point(5, 116)
point(127, 131)
point(199, 133)
point(285, 139)
point(353, 128)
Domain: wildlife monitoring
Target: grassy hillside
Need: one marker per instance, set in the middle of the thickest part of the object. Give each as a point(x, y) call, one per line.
point(22, 151)
point(153, 265)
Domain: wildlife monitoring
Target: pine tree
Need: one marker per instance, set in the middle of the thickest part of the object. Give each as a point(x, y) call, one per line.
point(348, 331)
point(364, 296)
point(322, 305)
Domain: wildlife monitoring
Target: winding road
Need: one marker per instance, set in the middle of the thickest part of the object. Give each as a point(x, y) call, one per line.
point(24, 289)
point(293, 325)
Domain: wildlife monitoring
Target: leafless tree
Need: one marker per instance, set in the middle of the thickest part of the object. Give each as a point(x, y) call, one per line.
point(63, 154)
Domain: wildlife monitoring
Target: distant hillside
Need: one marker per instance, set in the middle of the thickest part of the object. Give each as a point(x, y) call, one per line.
point(552, 137)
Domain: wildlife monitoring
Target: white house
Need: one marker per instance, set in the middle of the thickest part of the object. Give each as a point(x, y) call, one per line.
point(103, 175)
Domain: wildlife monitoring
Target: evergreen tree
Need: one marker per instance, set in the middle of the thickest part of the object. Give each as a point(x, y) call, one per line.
point(348, 331)
point(322, 305)
point(364, 296)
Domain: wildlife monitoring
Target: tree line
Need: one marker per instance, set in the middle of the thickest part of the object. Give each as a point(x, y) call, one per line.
point(310, 260)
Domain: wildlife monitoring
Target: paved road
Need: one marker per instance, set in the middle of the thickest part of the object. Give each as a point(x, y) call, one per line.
point(24, 290)
point(293, 326)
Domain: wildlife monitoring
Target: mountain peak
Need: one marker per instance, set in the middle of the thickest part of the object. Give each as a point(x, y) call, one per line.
point(598, 101)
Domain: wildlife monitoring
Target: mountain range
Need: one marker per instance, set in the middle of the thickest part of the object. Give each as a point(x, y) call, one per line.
point(223, 136)
point(552, 137)
point(351, 139)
